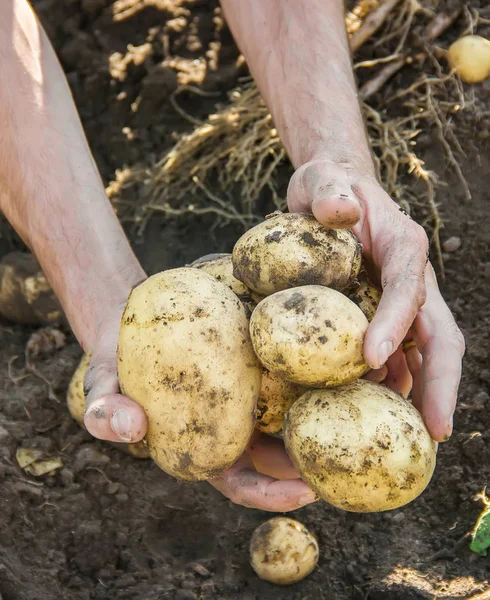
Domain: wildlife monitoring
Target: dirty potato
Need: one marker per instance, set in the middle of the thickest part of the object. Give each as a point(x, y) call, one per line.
point(220, 266)
point(361, 447)
point(185, 355)
point(283, 551)
point(366, 294)
point(75, 400)
point(291, 250)
point(275, 398)
point(25, 294)
point(310, 335)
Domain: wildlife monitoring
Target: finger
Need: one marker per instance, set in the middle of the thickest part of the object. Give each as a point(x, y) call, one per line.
point(399, 377)
point(325, 190)
point(243, 485)
point(414, 363)
point(377, 375)
point(403, 258)
point(270, 458)
point(109, 415)
point(442, 346)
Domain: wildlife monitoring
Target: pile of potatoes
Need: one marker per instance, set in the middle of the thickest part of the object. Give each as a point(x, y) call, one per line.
point(271, 337)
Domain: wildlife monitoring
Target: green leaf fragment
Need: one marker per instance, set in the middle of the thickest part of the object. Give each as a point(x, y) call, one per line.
point(480, 537)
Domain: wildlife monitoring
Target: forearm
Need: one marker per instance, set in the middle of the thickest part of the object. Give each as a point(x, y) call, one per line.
point(298, 53)
point(50, 189)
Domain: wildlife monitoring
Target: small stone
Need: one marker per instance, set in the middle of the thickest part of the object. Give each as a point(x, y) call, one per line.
point(452, 244)
point(185, 595)
point(201, 570)
point(122, 497)
point(398, 517)
point(113, 487)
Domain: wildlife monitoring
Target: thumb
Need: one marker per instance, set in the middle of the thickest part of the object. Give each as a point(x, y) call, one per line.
point(325, 190)
point(109, 415)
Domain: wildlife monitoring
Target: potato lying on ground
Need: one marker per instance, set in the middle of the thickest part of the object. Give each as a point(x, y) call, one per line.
point(25, 294)
point(185, 355)
point(470, 57)
point(365, 294)
point(361, 447)
point(311, 335)
point(290, 250)
point(283, 551)
point(75, 400)
point(275, 399)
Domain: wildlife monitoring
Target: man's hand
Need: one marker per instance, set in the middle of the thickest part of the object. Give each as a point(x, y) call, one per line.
point(264, 478)
point(411, 306)
point(109, 415)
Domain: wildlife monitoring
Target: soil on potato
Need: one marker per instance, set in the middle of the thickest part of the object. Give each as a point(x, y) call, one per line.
point(108, 526)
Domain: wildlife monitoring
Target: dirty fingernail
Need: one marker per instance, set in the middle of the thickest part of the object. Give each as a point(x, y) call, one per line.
point(384, 353)
point(121, 424)
point(307, 499)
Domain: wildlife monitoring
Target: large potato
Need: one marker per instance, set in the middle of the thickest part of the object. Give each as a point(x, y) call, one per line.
point(311, 335)
point(185, 356)
point(76, 402)
point(291, 250)
point(470, 57)
point(365, 294)
point(275, 399)
point(25, 294)
point(361, 447)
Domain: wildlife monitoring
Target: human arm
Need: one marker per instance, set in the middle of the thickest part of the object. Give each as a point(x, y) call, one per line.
point(52, 194)
point(298, 54)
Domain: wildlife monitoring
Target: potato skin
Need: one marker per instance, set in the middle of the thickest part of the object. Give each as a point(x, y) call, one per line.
point(76, 402)
point(366, 294)
point(26, 296)
point(470, 57)
point(294, 249)
point(311, 335)
point(184, 354)
point(361, 447)
point(275, 399)
point(220, 266)
point(283, 551)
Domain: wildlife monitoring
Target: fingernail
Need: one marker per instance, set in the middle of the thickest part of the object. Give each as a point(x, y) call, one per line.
point(307, 499)
point(121, 424)
point(384, 353)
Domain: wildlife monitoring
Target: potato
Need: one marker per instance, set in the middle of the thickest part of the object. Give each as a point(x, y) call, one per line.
point(185, 355)
point(25, 294)
point(291, 250)
point(275, 398)
point(361, 447)
point(283, 551)
point(365, 294)
point(470, 57)
point(76, 402)
point(311, 335)
point(220, 266)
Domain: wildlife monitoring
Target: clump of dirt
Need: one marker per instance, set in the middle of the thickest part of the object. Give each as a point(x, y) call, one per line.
point(108, 526)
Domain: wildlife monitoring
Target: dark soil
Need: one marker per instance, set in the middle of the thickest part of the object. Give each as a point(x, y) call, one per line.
point(108, 526)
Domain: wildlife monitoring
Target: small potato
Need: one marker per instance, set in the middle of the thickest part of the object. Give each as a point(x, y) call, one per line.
point(185, 355)
point(310, 335)
point(275, 399)
point(26, 296)
point(365, 294)
point(470, 57)
point(291, 250)
point(361, 447)
point(283, 551)
point(75, 400)
point(220, 266)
